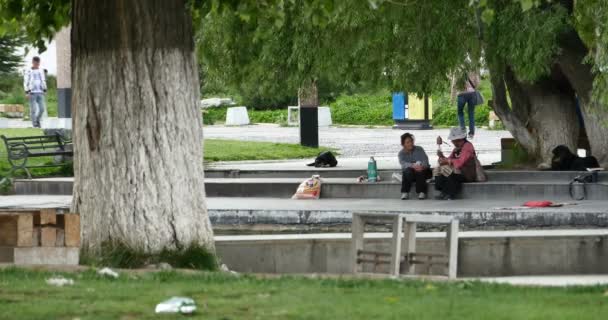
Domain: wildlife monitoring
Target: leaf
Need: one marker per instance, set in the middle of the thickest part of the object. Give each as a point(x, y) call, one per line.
point(487, 16)
point(526, 4)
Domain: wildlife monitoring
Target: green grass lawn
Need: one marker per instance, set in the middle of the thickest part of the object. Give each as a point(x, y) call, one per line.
point(232, 150)
point(25, 295)
point(5, 166)
point(215, 150)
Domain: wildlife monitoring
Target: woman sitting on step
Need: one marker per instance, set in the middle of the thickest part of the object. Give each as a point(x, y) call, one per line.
point(456, 169)
point(415, 165)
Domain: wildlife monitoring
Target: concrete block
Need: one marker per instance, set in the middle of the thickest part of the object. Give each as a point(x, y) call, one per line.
point(72, 230)
point(48, 236)
point(25, 230)
point(324, 114)
point(293, 116)
point(46, 256)
point(237, 116)
point(6, 255)
point(8, 230)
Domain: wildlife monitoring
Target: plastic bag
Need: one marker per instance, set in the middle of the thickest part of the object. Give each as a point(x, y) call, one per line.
point(309, 189)
point(176, 305)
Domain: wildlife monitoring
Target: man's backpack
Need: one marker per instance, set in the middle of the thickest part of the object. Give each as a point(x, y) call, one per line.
point(324, 159)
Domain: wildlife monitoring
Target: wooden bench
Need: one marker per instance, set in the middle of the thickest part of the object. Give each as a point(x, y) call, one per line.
point(398, 260)
point(20, 149)
point(44, 236)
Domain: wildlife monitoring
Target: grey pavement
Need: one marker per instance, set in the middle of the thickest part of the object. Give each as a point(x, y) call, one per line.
point(358, 142)
point(549, 281)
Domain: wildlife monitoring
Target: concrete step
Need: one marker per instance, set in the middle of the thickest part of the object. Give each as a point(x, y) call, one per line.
point(247, 215)
point(349, 188)
point(229, 215)
point(306, 172)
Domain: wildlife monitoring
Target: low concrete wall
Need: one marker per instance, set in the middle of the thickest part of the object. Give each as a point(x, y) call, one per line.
point(351, 190)
point(480, 253)
point(227, 220)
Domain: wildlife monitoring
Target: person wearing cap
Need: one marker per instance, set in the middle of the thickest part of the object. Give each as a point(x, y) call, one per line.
point(415, 165)
point(458, 168)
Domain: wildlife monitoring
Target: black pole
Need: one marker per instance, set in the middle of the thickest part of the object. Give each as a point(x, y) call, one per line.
point(309, 126)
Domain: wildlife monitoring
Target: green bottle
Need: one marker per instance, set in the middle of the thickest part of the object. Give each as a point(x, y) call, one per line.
point(372, 170)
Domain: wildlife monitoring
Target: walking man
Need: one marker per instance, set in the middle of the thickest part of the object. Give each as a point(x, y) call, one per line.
point(34, 84)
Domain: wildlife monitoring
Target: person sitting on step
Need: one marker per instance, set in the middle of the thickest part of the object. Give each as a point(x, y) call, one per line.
point(415, 165)
point(456, 169)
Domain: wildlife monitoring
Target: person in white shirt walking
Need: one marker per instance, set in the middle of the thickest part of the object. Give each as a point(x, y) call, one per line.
point(34, 84)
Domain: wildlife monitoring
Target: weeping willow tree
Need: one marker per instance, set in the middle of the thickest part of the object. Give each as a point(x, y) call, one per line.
point(542, 56)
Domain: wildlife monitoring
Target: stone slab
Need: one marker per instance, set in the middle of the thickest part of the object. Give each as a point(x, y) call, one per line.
point(550, 281)
point(46, 256)
point(237, 116)
point(324, 114)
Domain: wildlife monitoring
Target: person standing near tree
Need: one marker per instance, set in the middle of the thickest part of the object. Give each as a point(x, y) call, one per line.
point(34, 84)
point(469, 96)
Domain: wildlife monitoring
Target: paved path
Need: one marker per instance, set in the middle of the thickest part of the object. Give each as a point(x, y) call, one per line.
point(550, 281)
point(355, 142)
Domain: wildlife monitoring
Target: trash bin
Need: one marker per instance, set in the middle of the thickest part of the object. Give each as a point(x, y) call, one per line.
point(411, 112)
point(400, 111)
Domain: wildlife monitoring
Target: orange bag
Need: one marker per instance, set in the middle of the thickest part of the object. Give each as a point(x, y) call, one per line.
point(309, 189)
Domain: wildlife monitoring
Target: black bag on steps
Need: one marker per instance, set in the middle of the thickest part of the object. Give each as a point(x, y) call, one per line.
point(324, 159)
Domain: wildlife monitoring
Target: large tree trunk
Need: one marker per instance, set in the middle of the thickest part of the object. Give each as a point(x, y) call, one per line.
point(137, 125)
point(542, 115)
point(580, 75)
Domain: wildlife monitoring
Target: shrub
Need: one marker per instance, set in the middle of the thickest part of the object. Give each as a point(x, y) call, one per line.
point(447, 116)
point(363, 109)
point(119, 255)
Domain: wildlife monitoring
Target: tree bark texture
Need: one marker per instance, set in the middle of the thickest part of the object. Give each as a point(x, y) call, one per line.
point(580, 75)
point(308, 95)
point(541, 115)
point(137, 125)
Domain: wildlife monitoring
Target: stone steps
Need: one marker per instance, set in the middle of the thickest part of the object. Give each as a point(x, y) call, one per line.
point(349, 188)
point(493, 175)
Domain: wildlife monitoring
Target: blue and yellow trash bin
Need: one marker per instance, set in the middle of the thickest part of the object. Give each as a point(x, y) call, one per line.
point(411, 112)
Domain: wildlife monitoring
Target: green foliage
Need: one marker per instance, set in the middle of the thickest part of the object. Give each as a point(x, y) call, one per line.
point(39, 20)
point(269, 116)
point(590, 18)
point(530, 51)
point(214, 115)
point(218, 115)
point(363, 109)
point(447, 116)
point(11, 92)
point(119, 255)
point(266, 59)
point(9, 59)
